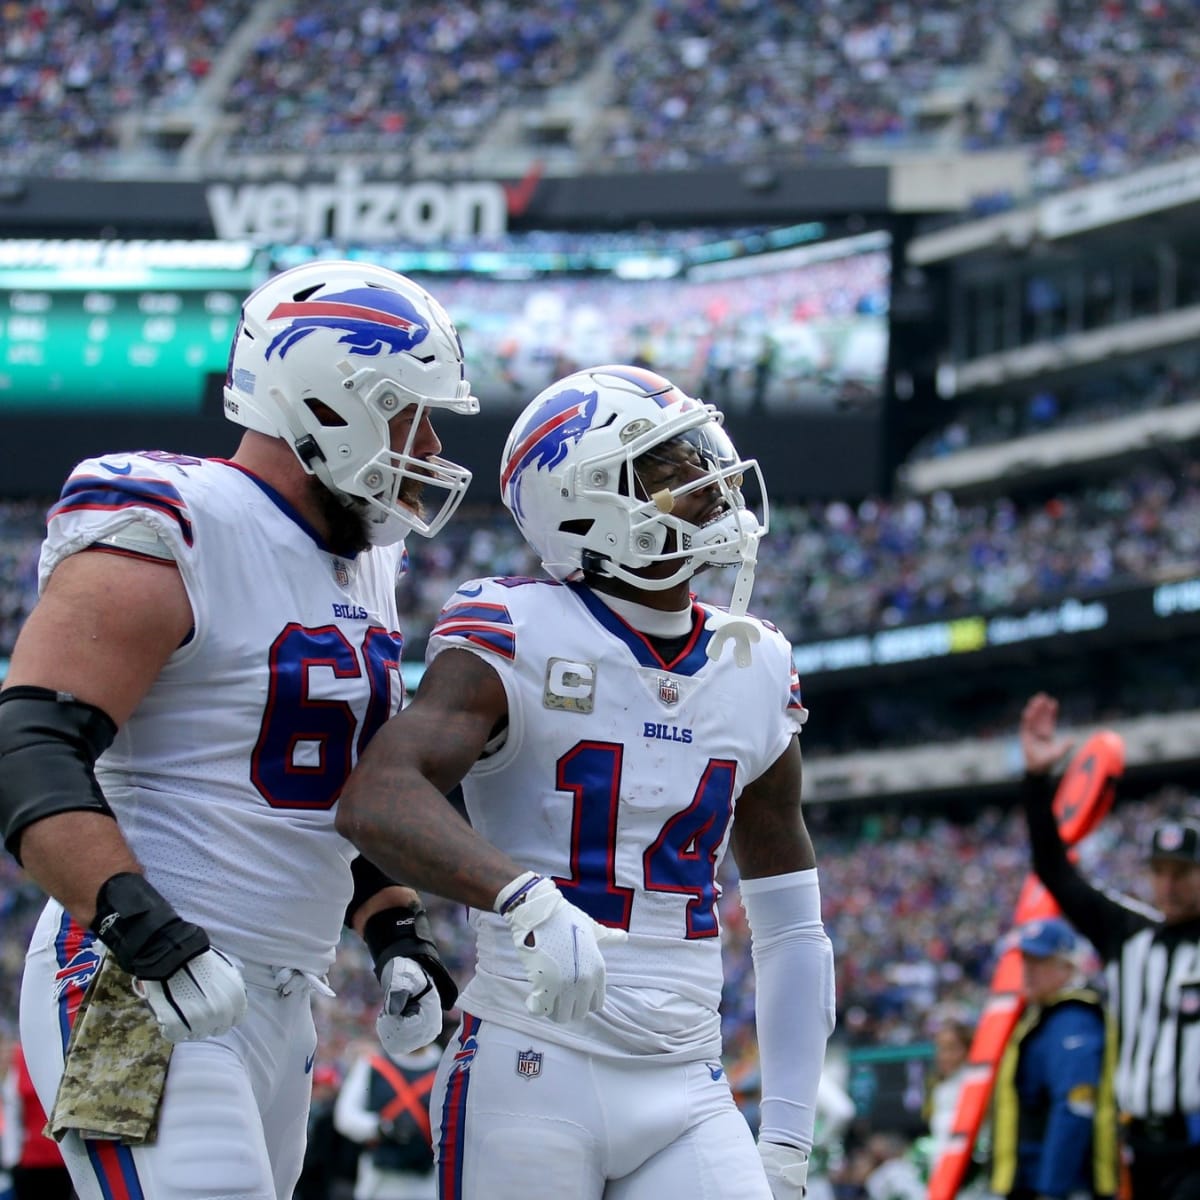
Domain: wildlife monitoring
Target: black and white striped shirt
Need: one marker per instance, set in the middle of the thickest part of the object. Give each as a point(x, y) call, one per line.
point(1153, 973)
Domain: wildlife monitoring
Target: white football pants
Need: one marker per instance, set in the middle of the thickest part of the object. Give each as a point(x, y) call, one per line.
point(516, 1118)
point(233, 1120)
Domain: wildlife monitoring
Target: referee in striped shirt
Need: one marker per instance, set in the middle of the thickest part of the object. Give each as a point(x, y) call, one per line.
point(1152, 961)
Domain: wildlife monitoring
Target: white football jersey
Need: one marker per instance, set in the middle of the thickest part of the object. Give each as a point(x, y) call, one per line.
point(225, 778)
point(618, 777)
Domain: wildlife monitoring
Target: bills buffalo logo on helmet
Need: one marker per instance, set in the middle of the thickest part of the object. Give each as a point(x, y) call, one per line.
point(372, 320)
point(564, 418)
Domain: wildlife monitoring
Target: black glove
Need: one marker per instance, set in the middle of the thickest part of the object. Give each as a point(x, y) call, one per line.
point(146, 936)
point(193, 990)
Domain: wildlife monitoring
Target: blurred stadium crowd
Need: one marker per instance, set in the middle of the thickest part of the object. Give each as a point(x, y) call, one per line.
point(895, 885)
point(426, 69)
point(828, 568)
point(1127, 388)
point(916, 901)
point(1091, 90)
point(917, 906)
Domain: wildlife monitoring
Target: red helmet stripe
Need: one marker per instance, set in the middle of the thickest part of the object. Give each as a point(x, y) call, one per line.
point(331, 308)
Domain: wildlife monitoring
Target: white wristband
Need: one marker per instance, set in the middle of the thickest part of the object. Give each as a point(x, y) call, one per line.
point(514, 893)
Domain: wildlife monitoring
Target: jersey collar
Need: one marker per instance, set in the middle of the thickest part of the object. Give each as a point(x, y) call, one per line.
point(689, 659)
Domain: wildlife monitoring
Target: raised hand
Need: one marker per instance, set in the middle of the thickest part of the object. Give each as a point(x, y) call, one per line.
point(1041, 747)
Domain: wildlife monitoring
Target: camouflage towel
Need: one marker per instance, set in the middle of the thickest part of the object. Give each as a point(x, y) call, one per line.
point(116, 1065)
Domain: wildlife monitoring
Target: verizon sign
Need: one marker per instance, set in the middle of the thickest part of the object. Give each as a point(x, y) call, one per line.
point(350, 210)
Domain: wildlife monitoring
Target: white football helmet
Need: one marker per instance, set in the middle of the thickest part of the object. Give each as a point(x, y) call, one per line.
point(325, 355)
point(568, 474)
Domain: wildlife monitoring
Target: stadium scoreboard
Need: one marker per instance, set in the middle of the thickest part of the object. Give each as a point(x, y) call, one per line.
point(105, 348)
point(117, 333)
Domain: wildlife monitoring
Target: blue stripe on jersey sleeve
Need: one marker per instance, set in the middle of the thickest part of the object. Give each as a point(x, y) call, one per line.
point(489, 626)
point(94, 494)
point(500, 641)
point(480, 611)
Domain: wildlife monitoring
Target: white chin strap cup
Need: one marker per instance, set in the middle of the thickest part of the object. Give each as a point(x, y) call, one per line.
point(735, 626)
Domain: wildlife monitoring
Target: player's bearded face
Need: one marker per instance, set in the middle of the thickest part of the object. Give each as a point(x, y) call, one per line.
point(410, 495)
point(349, 522)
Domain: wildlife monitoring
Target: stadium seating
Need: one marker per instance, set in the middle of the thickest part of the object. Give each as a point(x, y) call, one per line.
point(834, 569)
point(107, 88)
point(73, 75)
point(1015, 497)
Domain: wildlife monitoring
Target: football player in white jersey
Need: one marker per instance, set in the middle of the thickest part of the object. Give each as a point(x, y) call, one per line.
point(611, 745)
point(214, 644)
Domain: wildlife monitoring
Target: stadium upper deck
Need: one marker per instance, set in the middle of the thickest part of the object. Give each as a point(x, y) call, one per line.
point(89, 89)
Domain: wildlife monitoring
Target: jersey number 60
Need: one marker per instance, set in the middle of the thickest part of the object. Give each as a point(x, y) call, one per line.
point(306, 744)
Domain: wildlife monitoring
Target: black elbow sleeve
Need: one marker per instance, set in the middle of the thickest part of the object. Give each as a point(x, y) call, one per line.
point(49, 743)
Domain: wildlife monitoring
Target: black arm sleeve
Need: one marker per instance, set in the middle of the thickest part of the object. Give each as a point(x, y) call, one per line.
point(145, 934)
point(399, 931)
point(407, 933)
point(1103, 920)
point(49, 743)
point(369, 880)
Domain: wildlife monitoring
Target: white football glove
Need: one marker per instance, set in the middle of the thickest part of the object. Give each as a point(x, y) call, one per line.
point(204, 998)
point(559, 947)
point(787, 1170)
point(411, 1016)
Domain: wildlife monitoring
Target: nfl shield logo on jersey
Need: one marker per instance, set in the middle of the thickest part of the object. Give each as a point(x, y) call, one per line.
point(668, 690)
point(529, 1063)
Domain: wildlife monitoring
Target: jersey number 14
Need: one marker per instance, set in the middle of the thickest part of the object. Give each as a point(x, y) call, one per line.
point(682, 859)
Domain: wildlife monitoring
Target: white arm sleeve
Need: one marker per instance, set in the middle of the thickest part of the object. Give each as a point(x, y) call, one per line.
point(352, 1117)
point(13, 1131)
point(794, 1004)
